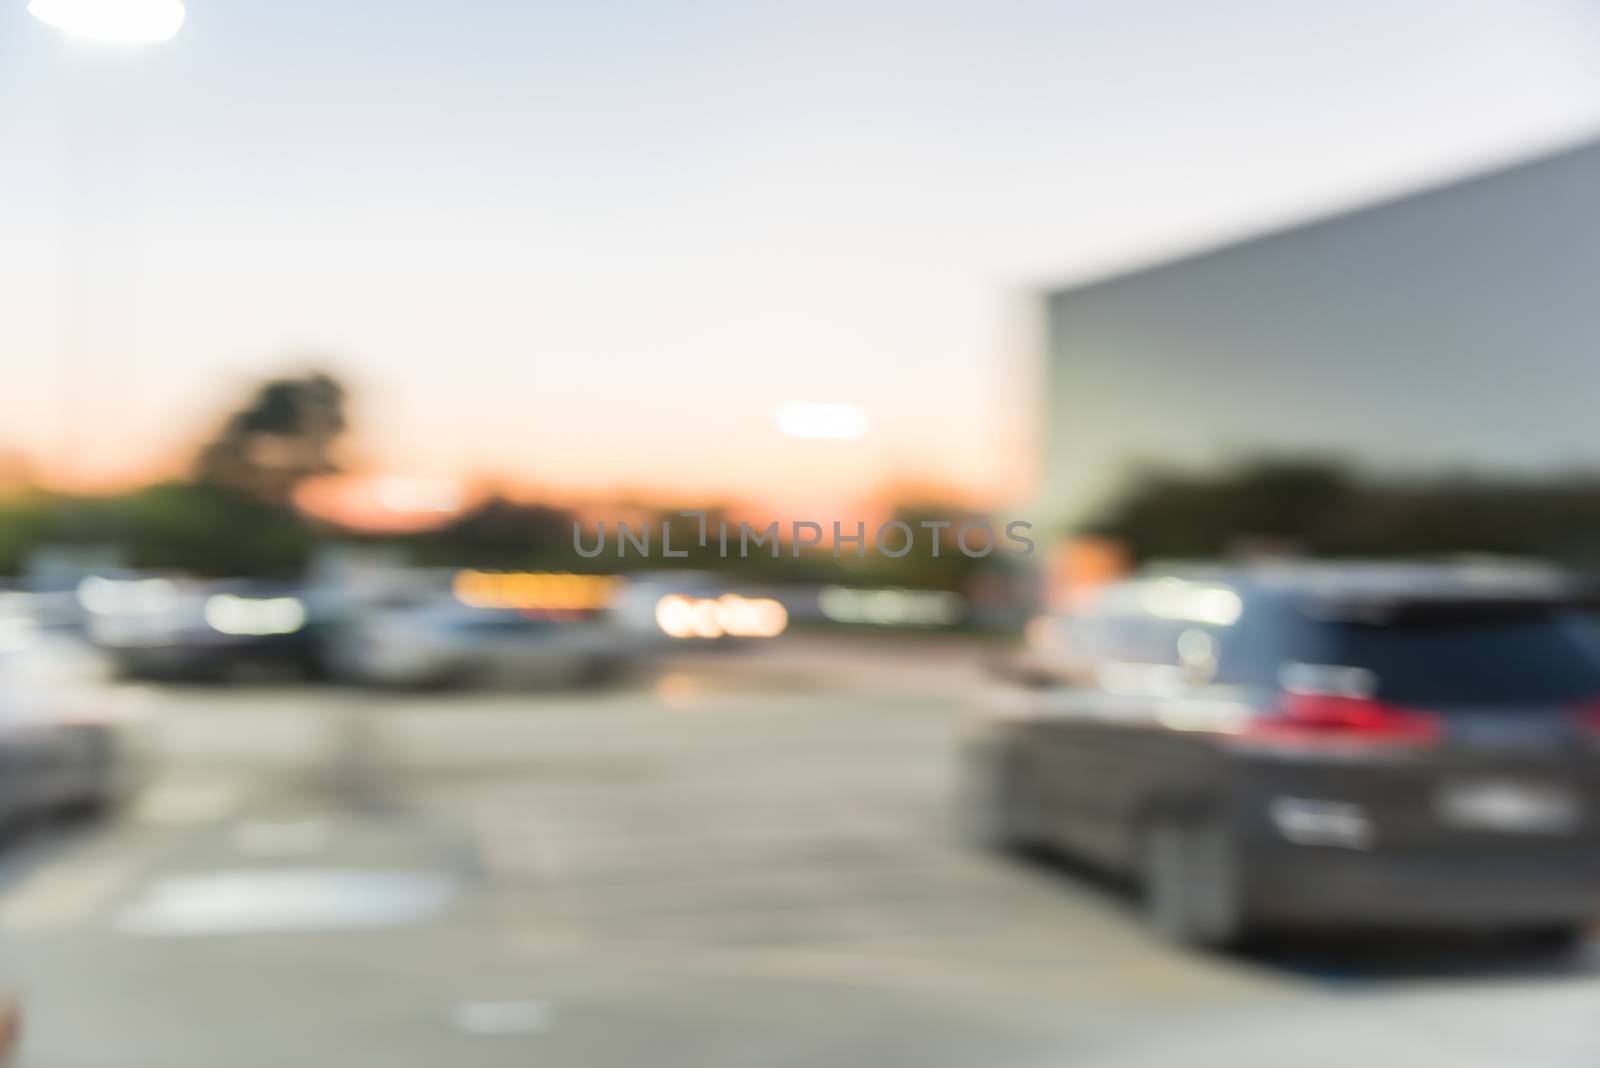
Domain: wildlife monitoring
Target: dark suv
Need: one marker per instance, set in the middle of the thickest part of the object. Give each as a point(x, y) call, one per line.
point(1314, 744)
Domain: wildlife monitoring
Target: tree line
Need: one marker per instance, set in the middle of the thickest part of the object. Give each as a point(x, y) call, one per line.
point(1327, 508)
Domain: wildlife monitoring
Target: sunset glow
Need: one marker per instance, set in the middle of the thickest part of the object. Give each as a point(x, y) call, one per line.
point(670, 292)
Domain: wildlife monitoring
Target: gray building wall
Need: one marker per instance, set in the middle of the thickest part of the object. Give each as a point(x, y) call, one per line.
point(1458, 327)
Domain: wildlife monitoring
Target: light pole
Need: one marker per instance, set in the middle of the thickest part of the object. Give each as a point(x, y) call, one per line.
point(124, 22)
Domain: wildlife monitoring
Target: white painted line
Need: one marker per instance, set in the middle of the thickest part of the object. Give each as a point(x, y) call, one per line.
point(489, 1019)
point(250, 902)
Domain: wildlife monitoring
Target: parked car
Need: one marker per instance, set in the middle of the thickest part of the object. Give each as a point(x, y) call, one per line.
point(438, 641)
point(1315, 745)
point(159, 627)
point(58, 722)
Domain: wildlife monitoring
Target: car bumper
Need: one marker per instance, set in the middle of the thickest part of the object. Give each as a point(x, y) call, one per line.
point(1449, 887)
point(205, 660)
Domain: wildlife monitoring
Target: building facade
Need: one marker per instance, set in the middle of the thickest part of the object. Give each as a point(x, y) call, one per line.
point(1453, 329)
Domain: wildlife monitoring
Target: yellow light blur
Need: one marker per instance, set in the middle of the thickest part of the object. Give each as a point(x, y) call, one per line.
point(674, 616)
point(752, 617)
point(679, 616)
point(704, 619)
point(534, 590)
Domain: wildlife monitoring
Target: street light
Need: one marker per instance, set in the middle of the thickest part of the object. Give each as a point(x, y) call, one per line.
point(121, 22)
point(132, 21)
point(804, 419)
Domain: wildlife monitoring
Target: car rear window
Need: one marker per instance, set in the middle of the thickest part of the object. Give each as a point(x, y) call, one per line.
point(1525, 658)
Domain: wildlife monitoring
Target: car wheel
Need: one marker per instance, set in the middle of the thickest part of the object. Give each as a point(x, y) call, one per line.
point(1556, 937)
point(1191, 883)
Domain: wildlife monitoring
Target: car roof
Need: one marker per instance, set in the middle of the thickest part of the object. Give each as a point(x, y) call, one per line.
point(1359, 584)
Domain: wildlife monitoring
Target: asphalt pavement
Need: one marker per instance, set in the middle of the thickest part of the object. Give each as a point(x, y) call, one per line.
point(735, 861)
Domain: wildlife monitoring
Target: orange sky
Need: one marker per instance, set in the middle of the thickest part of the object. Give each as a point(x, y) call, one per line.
point(593, 253)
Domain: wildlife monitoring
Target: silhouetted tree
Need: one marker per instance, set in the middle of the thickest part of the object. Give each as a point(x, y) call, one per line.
point(1172, 514)
point(209, 530)
point(282, 436)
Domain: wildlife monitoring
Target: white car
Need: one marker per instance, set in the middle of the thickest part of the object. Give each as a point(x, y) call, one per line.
point(441, 642)
point(58, 722)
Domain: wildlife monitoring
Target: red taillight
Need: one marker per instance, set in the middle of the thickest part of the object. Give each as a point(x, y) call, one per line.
point(1587, 717)
point(1316, 718)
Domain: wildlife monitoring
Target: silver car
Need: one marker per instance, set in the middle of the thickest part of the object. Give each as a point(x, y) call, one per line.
point(441, 642)
point(58, 722)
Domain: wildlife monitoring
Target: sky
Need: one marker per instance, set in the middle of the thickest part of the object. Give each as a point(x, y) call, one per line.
point(591, 248)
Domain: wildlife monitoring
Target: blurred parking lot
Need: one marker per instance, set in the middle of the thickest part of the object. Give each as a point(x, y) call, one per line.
point(750, 536)
point(733, 860)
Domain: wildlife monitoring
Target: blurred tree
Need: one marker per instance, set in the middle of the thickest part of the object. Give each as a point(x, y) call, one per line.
point(26, 521)
point(1264, 502)
point(210, 530)
point(501, 533)
point(186, 526)
point(283, 436)
point(1321, 508)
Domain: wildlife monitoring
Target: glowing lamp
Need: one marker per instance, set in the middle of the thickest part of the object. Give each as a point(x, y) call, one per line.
point(134, 21)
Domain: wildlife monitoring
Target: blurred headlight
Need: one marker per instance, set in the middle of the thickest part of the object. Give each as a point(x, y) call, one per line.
point(751, 617)
point(229, 614)
point(739, 617)
point(114, 597)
